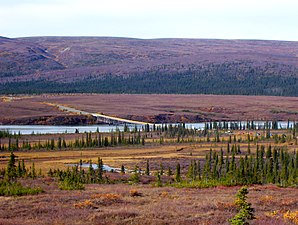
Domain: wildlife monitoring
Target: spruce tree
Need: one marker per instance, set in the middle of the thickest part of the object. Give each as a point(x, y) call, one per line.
point(59, 144)
point(135, 178)
point(199, 170)
point(238, 149)
point(161, 169)
point(241, 171)
point(227, 163)
point(90, 172)
point(52, 145)
point(269, 172)
point(214, 169)
point(276, 171)
point(190, 170)
point(19, 169)
point(23, 168)
point(122, 169)
point(170, 173)
point(158, 180)
point(232, 164)
point(221, 160)
point(269, 152)
point(207, 167)
point(246, 212)
point(178, 175)
point(147, 172)
point(11, 172)
point(33, 171)
point(99, 169)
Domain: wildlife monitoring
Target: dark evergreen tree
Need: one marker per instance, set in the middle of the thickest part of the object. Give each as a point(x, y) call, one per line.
point(11, 172)
point(178, 175)
point(147, 172)
point(246, 212)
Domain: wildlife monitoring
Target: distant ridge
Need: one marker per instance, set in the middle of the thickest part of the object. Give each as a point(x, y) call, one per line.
point(130, 65)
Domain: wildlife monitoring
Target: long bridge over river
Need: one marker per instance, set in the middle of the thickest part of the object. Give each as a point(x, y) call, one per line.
point(100, 117)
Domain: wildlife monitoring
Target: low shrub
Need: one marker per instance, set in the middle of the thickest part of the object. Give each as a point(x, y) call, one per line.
point(196, 184)
point(85, 204)
point(287, 215)
point(135, 193)
point(16, 189)
point(266, 200)
point(106, 199)
point(71, 185)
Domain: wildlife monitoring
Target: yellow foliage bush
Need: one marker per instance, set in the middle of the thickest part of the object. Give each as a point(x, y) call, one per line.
point(135, 193)
point(291, 216)
point(85, 204)
point(108, 196)
point(288, 216)
point(267, 199)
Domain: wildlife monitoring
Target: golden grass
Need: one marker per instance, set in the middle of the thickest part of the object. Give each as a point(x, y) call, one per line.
point(114, 157)
point(129, 155)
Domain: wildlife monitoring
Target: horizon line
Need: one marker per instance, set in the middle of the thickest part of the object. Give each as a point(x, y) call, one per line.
point(153, 38)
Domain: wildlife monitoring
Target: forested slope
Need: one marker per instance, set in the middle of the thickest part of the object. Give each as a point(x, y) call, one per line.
point(124, 65)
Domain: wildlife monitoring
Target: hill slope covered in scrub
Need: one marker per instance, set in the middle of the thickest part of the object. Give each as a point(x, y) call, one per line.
point(126, 65)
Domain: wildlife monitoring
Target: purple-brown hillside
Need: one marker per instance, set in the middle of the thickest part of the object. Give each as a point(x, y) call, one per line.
point(69, 59)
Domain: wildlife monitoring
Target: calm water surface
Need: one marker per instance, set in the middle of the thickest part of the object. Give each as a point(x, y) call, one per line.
point(44, 129)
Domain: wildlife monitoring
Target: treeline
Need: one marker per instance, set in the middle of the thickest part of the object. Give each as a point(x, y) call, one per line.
point(87, 140)
point(229, 79)
point(249, 125)
point(5, 134)
point(166, 133)
point(220, 125)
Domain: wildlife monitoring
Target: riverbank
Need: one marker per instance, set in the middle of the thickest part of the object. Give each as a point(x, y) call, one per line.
point(52, 120)
point(151, 108)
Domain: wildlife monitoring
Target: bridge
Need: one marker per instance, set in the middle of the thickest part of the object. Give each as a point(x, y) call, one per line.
point(100, 117)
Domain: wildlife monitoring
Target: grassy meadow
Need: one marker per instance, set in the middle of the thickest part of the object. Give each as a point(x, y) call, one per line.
point(149, 190)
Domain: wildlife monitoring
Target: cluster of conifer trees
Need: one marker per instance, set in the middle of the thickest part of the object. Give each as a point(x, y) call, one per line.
point(76, 177)
point(5, 134)
point(9, 185)
point(277, 166)
point(271, 166)
point(87, 140)
point(17, 169)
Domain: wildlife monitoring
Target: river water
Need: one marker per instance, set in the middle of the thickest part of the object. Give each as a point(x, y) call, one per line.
point(94, 166)
point(44, 129)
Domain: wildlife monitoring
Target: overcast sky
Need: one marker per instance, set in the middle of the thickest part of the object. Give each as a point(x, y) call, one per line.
point(228, 19)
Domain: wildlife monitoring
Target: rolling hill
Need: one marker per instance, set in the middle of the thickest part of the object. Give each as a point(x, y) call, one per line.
point(127, 65)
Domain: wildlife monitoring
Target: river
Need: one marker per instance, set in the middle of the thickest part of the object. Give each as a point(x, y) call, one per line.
point(45, 129)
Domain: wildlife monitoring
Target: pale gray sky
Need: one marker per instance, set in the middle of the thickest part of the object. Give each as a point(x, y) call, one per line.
point(228, 19)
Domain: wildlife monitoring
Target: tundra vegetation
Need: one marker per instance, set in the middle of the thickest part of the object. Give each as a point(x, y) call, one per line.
point(157, 165)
